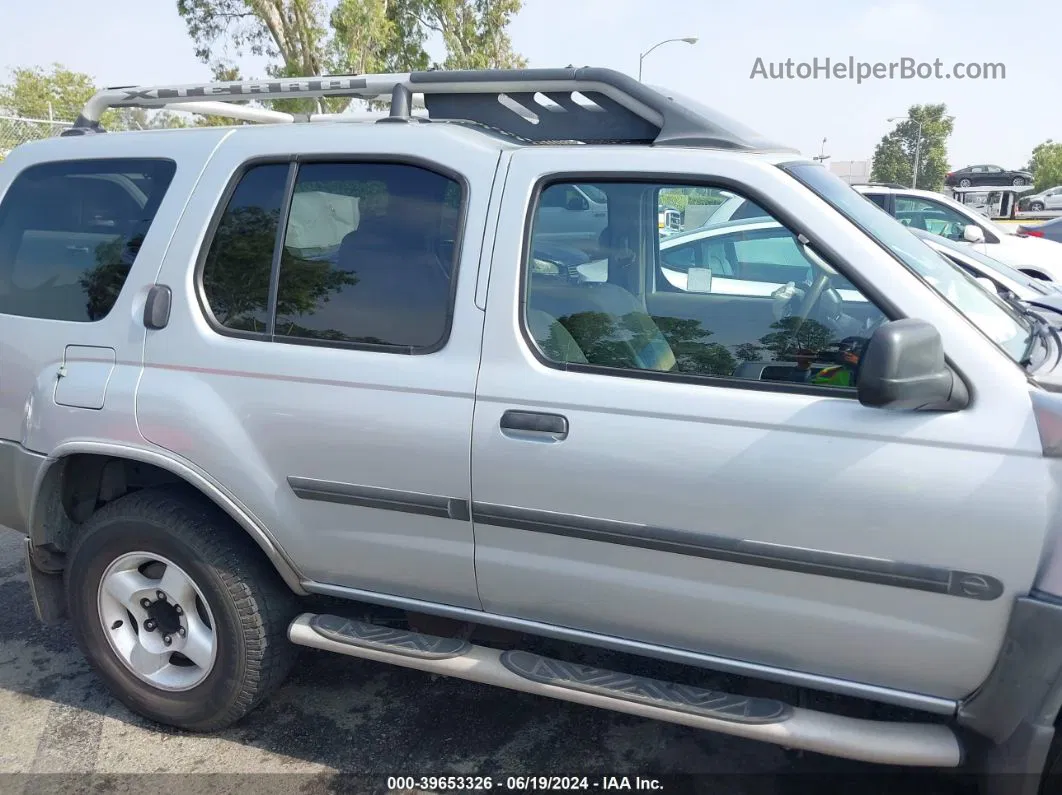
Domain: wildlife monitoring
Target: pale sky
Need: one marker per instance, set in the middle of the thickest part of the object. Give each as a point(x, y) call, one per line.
point(123, 42)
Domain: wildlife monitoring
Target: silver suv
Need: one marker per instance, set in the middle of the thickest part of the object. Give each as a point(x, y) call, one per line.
point(243, 367)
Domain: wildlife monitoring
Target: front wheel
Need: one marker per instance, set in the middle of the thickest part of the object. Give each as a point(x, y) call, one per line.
point(176, 611)
point(1036, 206)
point(1018, 181)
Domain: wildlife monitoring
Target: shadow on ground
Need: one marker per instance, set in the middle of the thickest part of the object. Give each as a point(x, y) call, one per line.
point(345, 725)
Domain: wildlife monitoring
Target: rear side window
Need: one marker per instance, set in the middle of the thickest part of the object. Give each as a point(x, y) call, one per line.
point(70, 232)
point(367, 255)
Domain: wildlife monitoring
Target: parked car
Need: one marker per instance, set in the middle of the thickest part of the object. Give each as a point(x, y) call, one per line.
point(846, 486)
point(717, 257)
point(1050, 199)
point(1049, 230)
point(573, 214)
point(941, 215)
point(992, 273)
point(986, 175)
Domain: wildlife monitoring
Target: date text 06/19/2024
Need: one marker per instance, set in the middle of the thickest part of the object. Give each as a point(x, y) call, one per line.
point(524, 783)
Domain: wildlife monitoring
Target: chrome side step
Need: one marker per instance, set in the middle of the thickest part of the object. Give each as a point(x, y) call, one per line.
point(894, 743)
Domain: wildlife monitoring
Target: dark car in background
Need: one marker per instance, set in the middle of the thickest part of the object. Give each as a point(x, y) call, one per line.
point(986, 174)
point(1051, 230)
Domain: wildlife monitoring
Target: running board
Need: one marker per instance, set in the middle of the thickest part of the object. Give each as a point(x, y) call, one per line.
point(893, 743)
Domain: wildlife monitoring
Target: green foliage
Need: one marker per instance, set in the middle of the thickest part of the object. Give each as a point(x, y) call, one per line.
point(38, 93)
point(57, 93)
point(894, 155)
point(681, 199)
point(1046, 164)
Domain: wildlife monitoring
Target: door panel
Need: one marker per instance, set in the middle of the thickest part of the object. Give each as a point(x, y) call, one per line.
point(794, 529)
point(356, 460)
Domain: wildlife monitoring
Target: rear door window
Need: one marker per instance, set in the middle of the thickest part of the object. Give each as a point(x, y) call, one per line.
point(71, 231)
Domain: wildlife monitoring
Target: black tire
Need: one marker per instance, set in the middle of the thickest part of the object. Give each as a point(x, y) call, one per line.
point(251, 605)
point(1051, 778)
point(964, 183)
point(1018, 181)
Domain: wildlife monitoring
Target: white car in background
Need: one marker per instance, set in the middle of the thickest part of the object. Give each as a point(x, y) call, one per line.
point(992, 274)
point(932, 212)
point(762, 258)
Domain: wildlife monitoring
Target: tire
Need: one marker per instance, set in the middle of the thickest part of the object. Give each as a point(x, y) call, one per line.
point(964, 183)
point(1036, 206)
point(1018, 181)
point(1051, 778)
point(234, 593)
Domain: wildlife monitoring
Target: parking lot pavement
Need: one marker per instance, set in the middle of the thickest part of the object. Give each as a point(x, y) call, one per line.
point(341, 724)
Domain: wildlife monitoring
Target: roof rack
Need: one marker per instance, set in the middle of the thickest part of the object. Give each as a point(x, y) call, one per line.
point(587, 104)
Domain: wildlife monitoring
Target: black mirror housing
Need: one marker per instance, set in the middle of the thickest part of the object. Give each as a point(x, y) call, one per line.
point(577, 203)
point(903, 369)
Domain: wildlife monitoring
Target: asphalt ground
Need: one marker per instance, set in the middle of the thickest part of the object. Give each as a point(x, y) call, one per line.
point(346, 725)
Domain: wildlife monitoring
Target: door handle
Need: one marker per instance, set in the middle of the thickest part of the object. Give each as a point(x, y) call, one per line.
point(534, 424)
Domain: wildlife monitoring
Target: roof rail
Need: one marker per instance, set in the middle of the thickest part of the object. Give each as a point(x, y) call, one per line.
point(896, 185)
point(537, 105)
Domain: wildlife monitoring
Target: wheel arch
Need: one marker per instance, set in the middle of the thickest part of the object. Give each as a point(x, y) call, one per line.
point(78, 474)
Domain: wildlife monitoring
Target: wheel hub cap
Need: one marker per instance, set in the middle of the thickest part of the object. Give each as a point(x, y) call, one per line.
point(157, 622)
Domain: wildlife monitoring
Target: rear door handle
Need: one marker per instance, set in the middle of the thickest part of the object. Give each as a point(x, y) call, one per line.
point(534, 425)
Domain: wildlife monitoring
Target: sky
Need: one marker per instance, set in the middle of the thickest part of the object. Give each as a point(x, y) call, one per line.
point(997, 121)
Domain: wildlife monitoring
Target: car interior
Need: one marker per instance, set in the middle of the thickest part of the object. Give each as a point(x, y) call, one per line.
point(636, 318)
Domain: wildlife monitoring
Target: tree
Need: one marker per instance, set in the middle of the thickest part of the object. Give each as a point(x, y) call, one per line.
point(1046, 164)
point(302, 38)
point(894, 155)
point(57, 93)
point(793, 335)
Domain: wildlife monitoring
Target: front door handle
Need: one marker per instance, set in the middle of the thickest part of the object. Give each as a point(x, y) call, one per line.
point(534, 425)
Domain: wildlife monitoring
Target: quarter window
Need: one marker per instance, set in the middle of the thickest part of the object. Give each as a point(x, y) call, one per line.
point(737, 299)
point(70, 232)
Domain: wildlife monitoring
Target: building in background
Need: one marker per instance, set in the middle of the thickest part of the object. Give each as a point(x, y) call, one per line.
point(851, 171)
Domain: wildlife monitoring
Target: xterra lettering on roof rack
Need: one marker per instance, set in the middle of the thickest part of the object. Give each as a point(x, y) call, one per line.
point(588, 105)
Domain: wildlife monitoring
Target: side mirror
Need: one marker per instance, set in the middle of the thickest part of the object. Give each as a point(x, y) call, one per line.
point(972, 233)
point(988, 284)
point(903, 369)
point(577, 203)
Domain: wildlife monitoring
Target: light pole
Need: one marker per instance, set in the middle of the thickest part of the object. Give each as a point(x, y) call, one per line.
point(641, 57)
point(822, 157)
point(918, 146)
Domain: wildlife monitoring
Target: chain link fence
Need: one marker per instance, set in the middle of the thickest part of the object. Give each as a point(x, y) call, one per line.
point(15, 130)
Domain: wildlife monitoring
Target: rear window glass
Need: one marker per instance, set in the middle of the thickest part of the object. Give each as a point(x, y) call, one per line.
point(70, 232)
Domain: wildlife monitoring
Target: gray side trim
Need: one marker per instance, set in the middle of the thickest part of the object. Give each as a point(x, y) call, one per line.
point(384, 499)
point(768, 673)
point(919, 577)
point(21, 468)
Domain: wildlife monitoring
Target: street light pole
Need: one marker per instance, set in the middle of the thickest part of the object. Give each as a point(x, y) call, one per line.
point(822, 157)
point(918, 147)
point(641, 56)
point(918, 152)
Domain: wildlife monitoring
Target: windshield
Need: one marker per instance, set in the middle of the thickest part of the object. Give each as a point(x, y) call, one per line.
point(993, 316)
point(969, 252)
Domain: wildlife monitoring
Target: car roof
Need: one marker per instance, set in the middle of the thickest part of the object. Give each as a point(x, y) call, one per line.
point(711, 230)
point(1053, 223)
